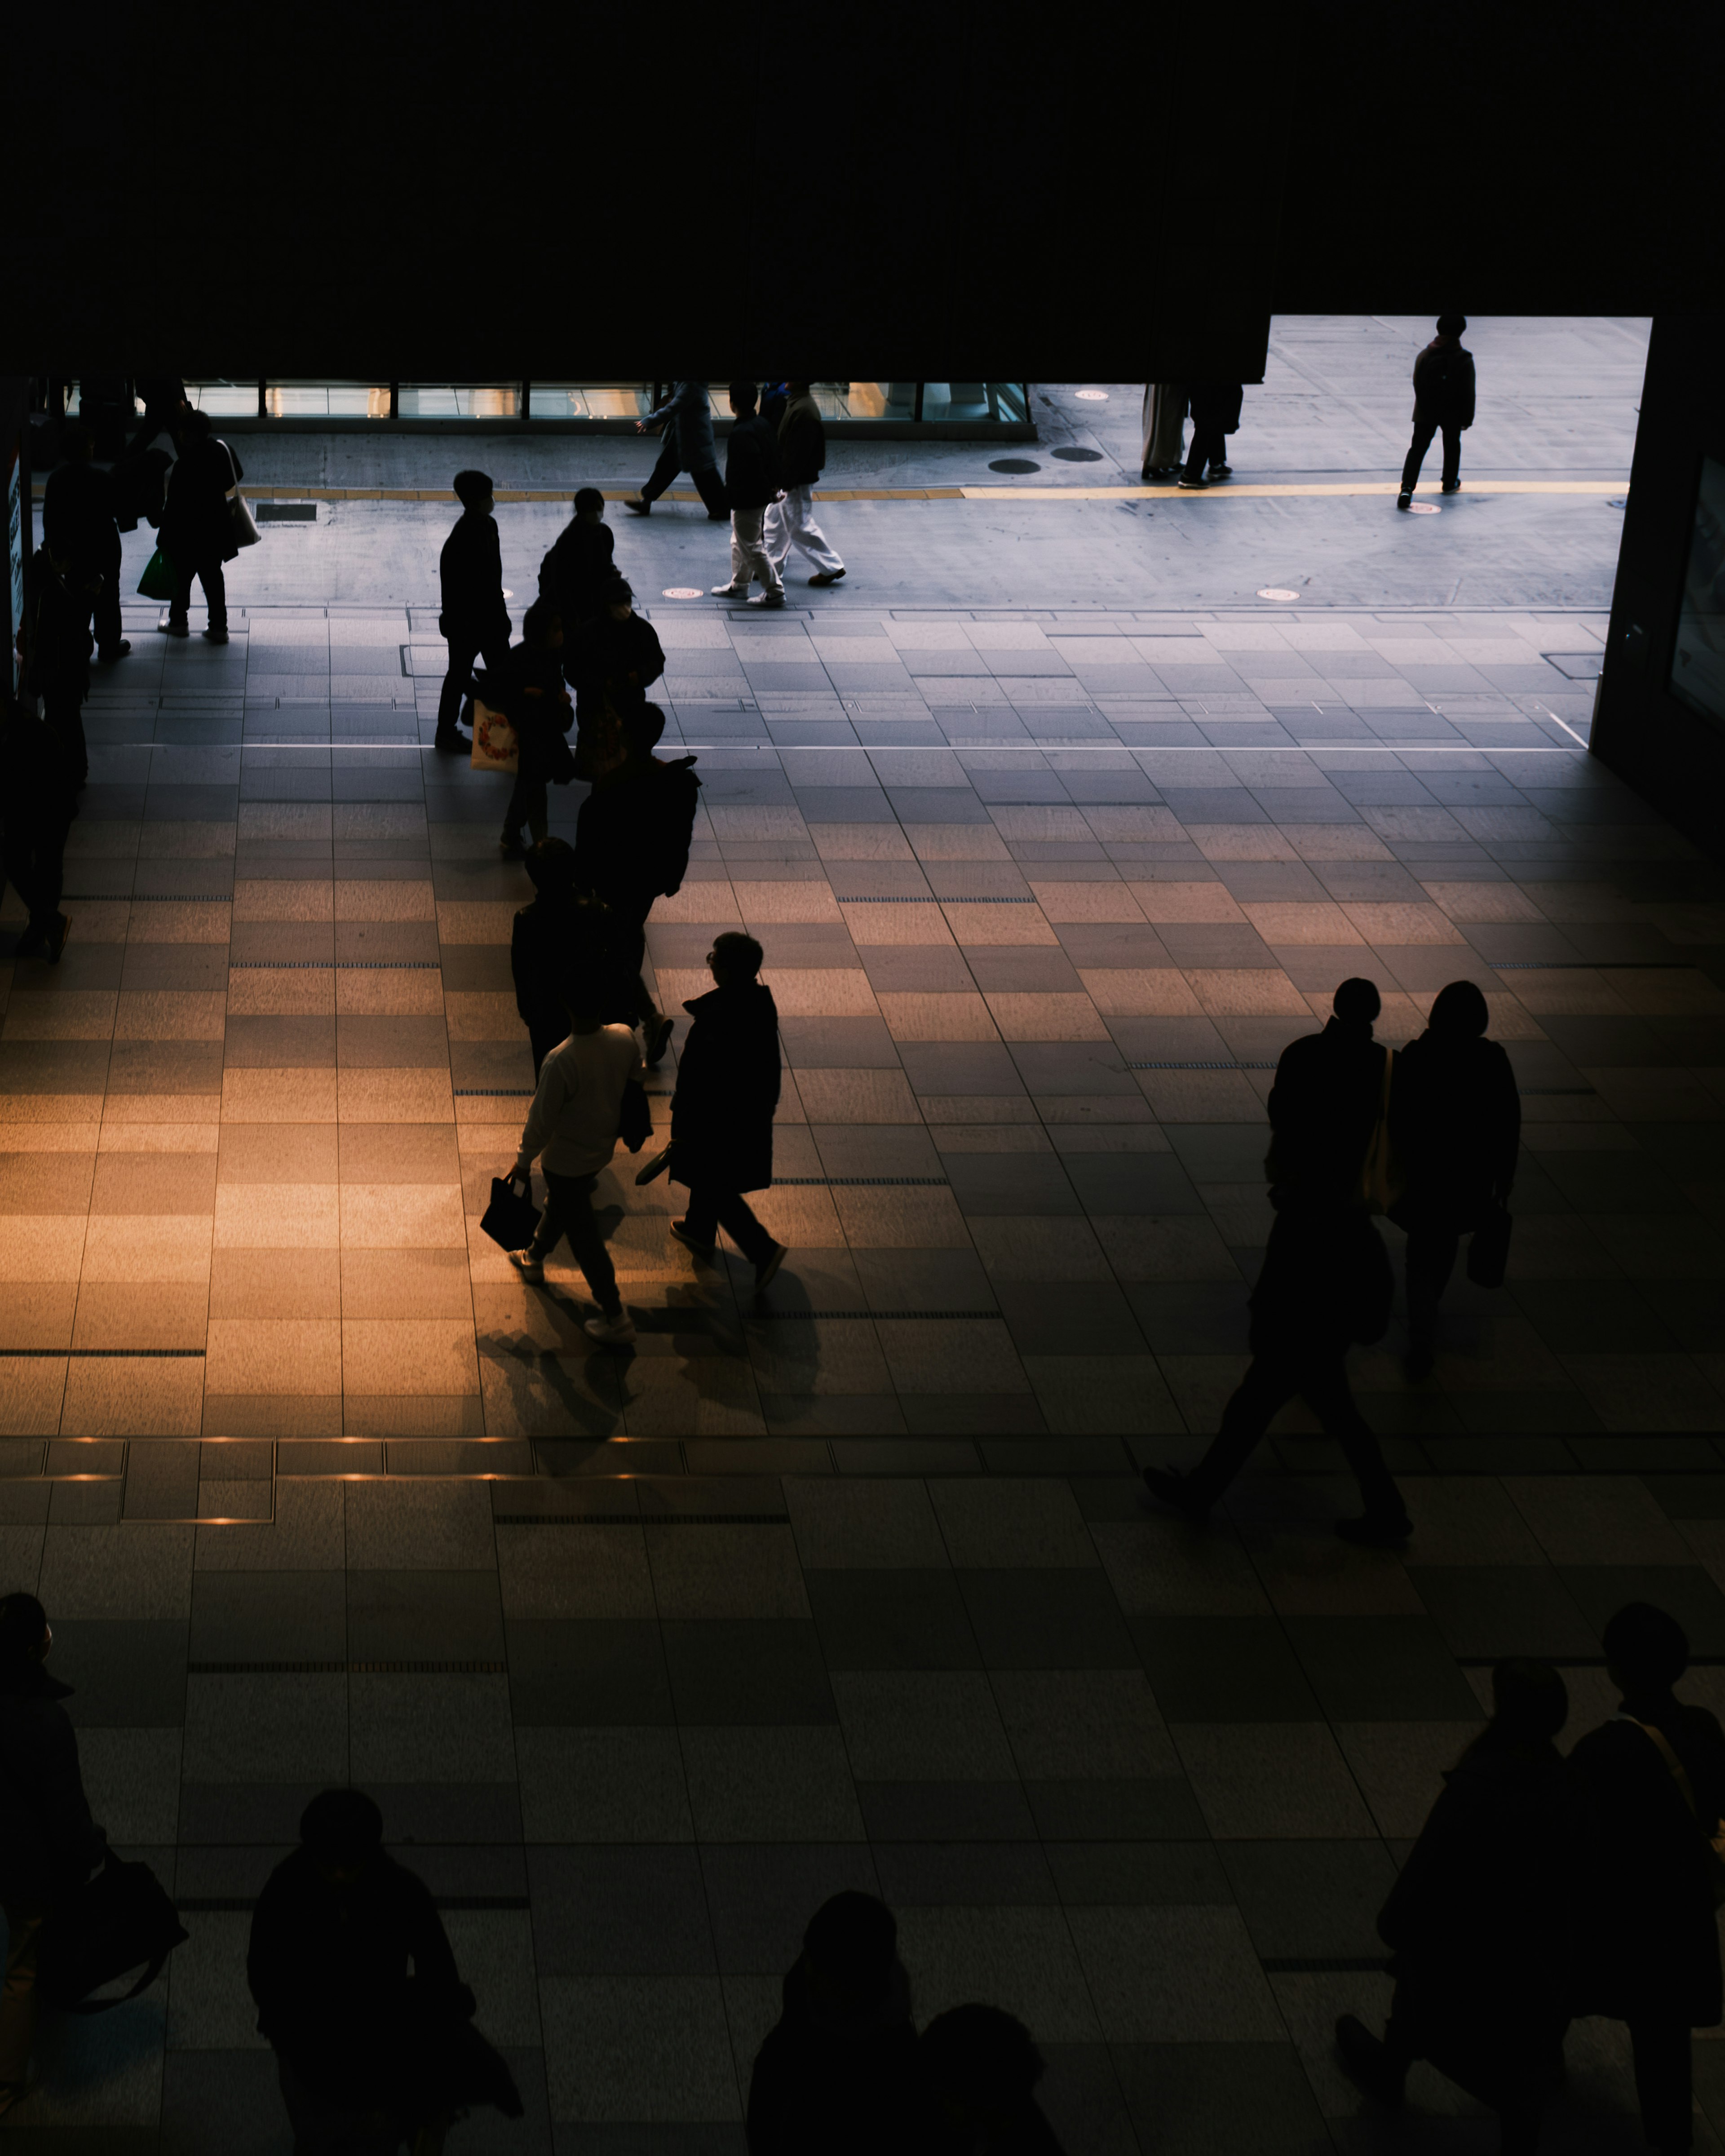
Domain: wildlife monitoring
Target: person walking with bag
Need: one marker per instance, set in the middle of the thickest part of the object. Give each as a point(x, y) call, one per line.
point(78, 522)
point(1443, 399)
point(1485, 1919)
point(49, 1845)
point(1326, 1281)
point(1654, 1776)
point(196, 529)
point(538, 707)
point(1456, 1121)
point(686, 417)
point(802, 457)
point(474, 620)
point(751, 483)
point(722, 1111)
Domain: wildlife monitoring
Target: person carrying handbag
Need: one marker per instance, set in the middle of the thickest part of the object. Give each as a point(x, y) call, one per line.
point(197, 530)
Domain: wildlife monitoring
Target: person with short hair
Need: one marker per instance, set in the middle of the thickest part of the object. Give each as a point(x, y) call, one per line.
point(686, 417)
point(614, 648)
point(802, 457)
point(79, 522)
point(722, 1110)
point(196, 530)
point(978, 2067)
point(579, 565)
point(1443, 399)
point(536, 704)
point(751, 484)
point(474, 620)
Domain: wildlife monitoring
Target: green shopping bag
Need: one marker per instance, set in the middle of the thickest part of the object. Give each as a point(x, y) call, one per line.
point(160, 580)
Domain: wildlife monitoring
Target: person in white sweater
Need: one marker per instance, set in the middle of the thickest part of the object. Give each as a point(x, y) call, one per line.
point(573, 1123)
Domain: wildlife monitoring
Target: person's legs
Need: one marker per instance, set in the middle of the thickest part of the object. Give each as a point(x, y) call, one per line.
point(215, 592)
point(1324, 1386)
point(806, 534)
point(1424, 430)
point(1210, 445)
point(701, 1218)
point(568, 1211)
point(321, 2128)
point(64, 715)
point(515, 815)
point(110, 633)
point(458, 685)
point(538, 812)
point(18, 2001)
point(1431, 1258)
point(1268, 1385)
point(1664, 2082)
point(778, 532)
point(735, 1216)
point(710, 487)
point(631, 915)
point(1452, 456)
point(665, 470)
point(748, 554)
point(176, 606)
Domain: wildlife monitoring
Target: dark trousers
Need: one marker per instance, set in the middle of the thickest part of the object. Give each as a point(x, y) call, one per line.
point(1209, 446)
point(323, 2128)
point(711, 1209)
point(1424, 430)
point(65, 715)
point(1268, 1386)
point(105, 609)
point(709, 485)
point(1431, 1260)
point(458, 682)
point(208, 573)
point(35, 846)
point(630, 910)
point(526, 805)
point(568, 1211)
point(1665, 2081)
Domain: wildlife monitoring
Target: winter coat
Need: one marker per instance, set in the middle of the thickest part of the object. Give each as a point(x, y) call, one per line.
point(841, 2084)
point(560, 939)
point(1323, 1107)
point(1444, 385)
point(728, 1089)
point(196, 524)
point(633, 834)
point(751, 464)
point(1485, 1922)
point(802, 443)
point(49, 1843)
point(471, 570)
point(574, 570)
point(1650, 1942)
point(1217, 404)
point(539, 720)
point(1455, 1122)
point(1325, 1282)
point(687, 414)
point(601, 648)
point(57, 643)
point(78, 519)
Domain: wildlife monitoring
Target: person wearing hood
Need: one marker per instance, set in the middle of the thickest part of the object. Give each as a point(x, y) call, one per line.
point(1456, 1121)
point(721, 1112)
point(835, 2073)
point(49, 1845)
point(1654, 1774)
point(1484, 1921)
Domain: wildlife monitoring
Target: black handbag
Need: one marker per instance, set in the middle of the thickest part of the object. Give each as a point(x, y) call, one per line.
point(511, 1218)
point(634, 1120)
point(121, 1918)
point(1488, 1248)
point(659, 1165)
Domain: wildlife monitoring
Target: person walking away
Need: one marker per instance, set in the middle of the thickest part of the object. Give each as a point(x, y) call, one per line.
point(563, 935)
point(751, 483)
point(573, 1123)
point(474, 620)
point(197, 526)
point(1164, 446)
point(368, 2055)
point(722, 1111)
point(36, 805)
point(802, 458)
point(686, 417)
point(1655, 1775)
point(836, 2071)
point(537, 705)
point(1215, 415)
point(578, 564)
point(1485, 1918)
point(49, 1845)
point(1326, 1280)
point(56, 654)
point(78, 521)
point(614, 646)
point(631, 841)
point(1443, 399)
point(978, 2069)
point(1455, 1120)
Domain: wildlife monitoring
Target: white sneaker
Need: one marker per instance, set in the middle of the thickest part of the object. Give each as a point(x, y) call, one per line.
point(728, 592)
point(528, 1267)
point(616, 1331)
point(769, 601)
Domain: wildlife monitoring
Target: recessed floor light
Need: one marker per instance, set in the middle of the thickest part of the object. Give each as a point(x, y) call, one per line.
point(682, 592)
point(1275, 592)
point(1425, 508)
point(1092, 396)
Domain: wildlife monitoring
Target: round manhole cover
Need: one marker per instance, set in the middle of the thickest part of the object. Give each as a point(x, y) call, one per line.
point(1275, 592)
point(1078, 456)
point(1092, 396)
point(1014, 465)
point(1425, 509)
point(683, 591)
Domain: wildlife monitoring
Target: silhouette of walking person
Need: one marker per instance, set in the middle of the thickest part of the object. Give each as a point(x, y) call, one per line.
point(1443, 400)
point(978, 2068)
point(1484, 1919)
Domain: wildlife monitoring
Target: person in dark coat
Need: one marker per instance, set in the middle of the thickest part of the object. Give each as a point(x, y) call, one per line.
point(802, 457)
point(1654, 1776)
point(978, 2069)
point(752, 483)
point(722, 1111)
point(367, 2054)
point(631, 841)
point(566, 943)
point(1443, 399)
point(1326, 1280)
point(536, 704)
point(49, 1845)
point(197, 526)
point(1485, 1918)
point(613, 645)
point(836, 2071)
point(578, 566)
point(1455, 1120)
point(57, 654)
point(686, 417)
point(474, 620)
point(1215, 415)
point(165, 408)
point(36, 805)
point(78, 521)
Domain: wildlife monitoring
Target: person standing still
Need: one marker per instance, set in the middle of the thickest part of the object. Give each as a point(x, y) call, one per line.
point(1443, 399)
point(537, 707)
point(750, 484)
point(802, 458)
point(1164, 443)
point(686, 416)
point(579, 565)
point(617, 647)
point(56, 651)
point(197, 526)
point(78, 521)
point(1215, 415)
point(474, 622)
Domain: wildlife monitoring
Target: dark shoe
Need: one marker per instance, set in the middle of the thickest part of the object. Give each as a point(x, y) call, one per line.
point(769, 1265)
point(56, 939)
point(611, 1328)
point(1368, 2065)
point(111, 652)
point(512, 844)
point(1169, 1487)
point(641, 508)
point(826, 577)
point(1221, 471)
point(453, 743)
point(680, 1229)
point(1450, 486)
point(658, 1040)
point(1402, 500)
point(215, 636)
point(1376, 1530)
point(173, 628)
point(1193, 485)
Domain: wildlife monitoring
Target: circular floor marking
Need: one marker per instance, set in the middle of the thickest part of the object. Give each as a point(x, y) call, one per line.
point(1076, 456)
point(1014, 465)
point(1425, 509)
point(682, 592)
point(1092, 396)
point(1275, 592)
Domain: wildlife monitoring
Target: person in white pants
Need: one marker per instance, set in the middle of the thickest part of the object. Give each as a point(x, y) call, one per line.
point(751, 483)
point(802, 457)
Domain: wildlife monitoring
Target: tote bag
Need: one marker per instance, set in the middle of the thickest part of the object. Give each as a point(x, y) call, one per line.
point(160, 580)
point(511, 1216)
point(495, 745)
point(245, 531)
